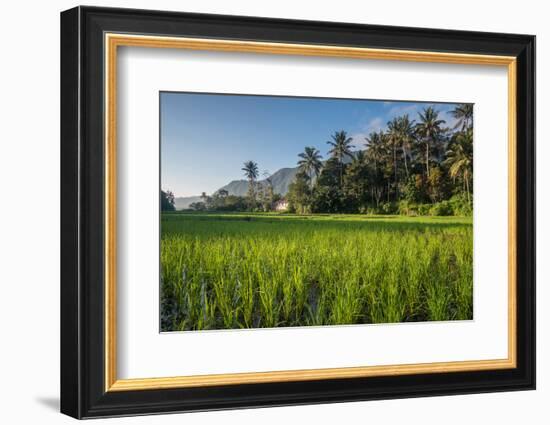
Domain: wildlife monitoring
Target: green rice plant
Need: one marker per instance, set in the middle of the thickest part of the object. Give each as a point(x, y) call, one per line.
point(464, 285)
point(226, 271)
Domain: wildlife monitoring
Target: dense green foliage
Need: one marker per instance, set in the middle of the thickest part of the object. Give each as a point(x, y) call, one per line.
point(412, 168)
point(223, 271)
point(167, 201)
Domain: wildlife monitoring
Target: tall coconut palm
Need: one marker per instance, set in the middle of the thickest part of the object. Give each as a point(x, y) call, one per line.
point(394, 140)
point(310, 162)
point(376, 148)
point(460, 159)
point(429, 129)
point(376, 152)
point(250, 169)
point(341, 148)
point(464, 115)
point(360, 157)
point(268, 190)
point(406, 133)
point(204, 198)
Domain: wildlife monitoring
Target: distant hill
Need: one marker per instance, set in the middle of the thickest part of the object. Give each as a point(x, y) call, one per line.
point(280, 180)
point(183, 202)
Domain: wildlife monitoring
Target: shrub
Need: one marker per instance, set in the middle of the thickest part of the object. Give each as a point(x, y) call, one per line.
point(424, 209)
point(442, 208)
point(460, 205)
point(408, 208)
point(389, 208)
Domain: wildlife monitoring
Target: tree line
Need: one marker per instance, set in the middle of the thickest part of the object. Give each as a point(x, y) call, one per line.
point(411, 167)
point(420, 167)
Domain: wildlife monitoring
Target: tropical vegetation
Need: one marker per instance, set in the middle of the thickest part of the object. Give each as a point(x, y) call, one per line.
point(412, 167)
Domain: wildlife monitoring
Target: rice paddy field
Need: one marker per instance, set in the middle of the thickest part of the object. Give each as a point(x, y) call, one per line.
point(232, 271)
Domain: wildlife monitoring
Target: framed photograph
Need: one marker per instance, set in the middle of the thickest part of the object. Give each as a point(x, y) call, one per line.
point(261, 212)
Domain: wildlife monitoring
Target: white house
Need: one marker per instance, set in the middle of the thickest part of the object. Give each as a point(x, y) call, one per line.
point(281, 205)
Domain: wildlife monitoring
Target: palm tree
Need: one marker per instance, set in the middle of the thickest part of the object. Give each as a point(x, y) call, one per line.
point(429, 129)
point(341, 147)
point(394, 139)
point(311, 162)
point(375, 148)
point(460, 159)
point(251, 173)
point(250, 169)
point(204, 198)
point(464, 115)
point(406, 133)
point(376, 152)
point(268, 190)
point(360, 157)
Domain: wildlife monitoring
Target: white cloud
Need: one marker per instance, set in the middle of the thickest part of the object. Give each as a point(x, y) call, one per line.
point(375, 124)
point(379, 122)
point(411, 110)
point(450, 121)
point(359, 140)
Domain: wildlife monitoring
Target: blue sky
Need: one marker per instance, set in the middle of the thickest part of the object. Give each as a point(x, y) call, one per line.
point(205, 138)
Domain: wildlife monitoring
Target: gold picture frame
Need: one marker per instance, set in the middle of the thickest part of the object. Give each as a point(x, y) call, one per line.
point(113, 41)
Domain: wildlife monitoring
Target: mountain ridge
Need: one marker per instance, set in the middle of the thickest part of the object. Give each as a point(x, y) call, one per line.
point(281, 180)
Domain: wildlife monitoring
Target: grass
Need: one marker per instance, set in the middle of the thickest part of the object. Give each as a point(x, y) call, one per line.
point(227, 271)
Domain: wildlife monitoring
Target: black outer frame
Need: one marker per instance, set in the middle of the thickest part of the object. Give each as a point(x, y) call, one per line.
point(82, 212)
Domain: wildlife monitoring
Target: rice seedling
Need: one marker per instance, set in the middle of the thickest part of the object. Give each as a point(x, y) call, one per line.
point(228, 271)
